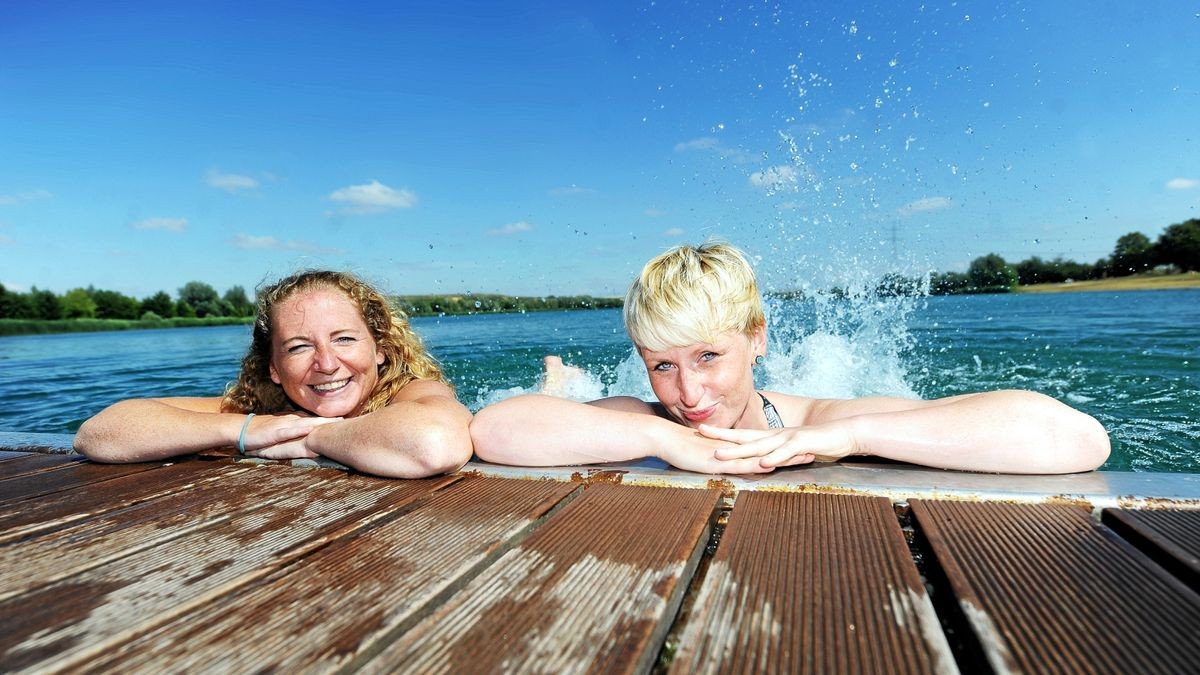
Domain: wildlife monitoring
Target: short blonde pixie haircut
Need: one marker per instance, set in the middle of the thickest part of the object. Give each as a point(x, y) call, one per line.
point(692, 294)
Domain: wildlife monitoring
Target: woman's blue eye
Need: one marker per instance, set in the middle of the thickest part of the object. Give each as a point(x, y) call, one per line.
point(662, 367)
point(708, 356)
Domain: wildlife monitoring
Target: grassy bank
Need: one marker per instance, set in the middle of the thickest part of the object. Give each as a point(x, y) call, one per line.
point(1137, 282)
point(42, 326)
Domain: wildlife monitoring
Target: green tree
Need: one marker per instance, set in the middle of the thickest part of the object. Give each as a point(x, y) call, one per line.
point(45, 304)
point(15, 305)
point(115, 305)
point(160, 303)
point(1179, 245)
point(184, 309)
point(238, 302)
point(1133, 253)
point(196, 292)
point(78, 304)
point(990, 273)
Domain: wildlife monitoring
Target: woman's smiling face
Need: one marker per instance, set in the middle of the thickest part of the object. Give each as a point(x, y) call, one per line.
point(323, 354)
point(708, 383)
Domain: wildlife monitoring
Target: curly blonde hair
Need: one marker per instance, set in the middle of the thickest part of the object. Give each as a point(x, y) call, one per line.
point(404, 355)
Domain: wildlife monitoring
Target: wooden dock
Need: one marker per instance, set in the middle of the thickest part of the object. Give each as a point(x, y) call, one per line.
point(213, 565)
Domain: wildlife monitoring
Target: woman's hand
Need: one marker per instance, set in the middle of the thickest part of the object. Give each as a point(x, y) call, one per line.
point(784, 447)
point(282, 436)
point(704, 455)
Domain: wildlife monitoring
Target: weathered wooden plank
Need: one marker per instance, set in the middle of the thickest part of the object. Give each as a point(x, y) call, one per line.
point(1171, 538)
point(35, 462)
point(344, 599)
point(813, 583)
point(64, 476)
point(593, 589)
point(1044, 589)
point(104, 538)
point(61, 625)
point(25, 518)
point(6, 455)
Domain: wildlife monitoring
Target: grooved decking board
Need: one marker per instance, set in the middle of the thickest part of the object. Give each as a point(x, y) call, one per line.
point(106, 537)
point(813, 583)
point(21, 519)
point(34, 463)
point(1171, 538)
point(6, 455)
point(1044, 589)
point(65, 476)
point(65, 623)
point(593, 589)
point(352, 593)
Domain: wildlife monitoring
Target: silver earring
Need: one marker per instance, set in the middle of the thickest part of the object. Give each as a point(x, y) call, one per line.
point(758, 360)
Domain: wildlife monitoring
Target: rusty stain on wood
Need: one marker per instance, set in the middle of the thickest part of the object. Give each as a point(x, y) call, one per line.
point(1045, 588)
point(812, 583)
point(595, 476)
point(593, 589)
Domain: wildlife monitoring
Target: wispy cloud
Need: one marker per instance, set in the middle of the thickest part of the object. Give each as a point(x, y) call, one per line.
point(1182, 183)
point(230, 182)
point(511, 228)
point(703, 143)
point(15, 288)
point(925, 204)
point(775, 178)
point(250, 241)
point(373, 197)
point(21, 197)
point(654, 212)
point(571, 190)
point(674, 232)
point(168, 224)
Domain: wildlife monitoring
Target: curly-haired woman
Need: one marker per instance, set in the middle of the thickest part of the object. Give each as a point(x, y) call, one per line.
point(332, 371)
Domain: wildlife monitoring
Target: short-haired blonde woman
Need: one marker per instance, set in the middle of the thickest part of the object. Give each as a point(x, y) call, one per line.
point(696, 319)
point(333, 370)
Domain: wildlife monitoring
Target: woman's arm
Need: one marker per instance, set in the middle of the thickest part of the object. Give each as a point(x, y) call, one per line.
point(537, 430)
point(422, 432)
point(141, 430)
point(1001, 431)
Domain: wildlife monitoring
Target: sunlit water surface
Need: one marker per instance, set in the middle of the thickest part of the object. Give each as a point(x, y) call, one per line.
point(1128, 358)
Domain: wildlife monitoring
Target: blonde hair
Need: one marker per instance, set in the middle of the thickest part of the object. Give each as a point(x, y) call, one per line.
point(692, 294)
point(404, 355)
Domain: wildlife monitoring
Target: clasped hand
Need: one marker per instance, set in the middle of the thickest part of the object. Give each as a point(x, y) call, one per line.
point(282, 436)
point(783, 447)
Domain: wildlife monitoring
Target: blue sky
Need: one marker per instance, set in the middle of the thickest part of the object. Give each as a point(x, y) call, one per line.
point(551, 148)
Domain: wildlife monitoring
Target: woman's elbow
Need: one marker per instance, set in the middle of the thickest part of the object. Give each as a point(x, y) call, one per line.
point(442, 448)
point(486, 435)
point(90, 442)
point(1092, 442)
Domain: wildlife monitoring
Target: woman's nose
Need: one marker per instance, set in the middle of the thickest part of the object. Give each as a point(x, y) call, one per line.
point(326, 360)
point(691, 388)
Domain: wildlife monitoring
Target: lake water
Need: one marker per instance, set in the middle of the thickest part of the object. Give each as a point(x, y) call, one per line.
point(1129, 359)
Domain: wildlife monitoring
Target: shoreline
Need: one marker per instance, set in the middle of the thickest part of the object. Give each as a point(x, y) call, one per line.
point(1137, 282)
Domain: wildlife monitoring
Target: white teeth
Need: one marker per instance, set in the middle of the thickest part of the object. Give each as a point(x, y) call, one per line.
point(331, 386)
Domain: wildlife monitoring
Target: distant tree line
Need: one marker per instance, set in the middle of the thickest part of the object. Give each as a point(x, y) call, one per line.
point(431, 305)
point(195, 299)
point(1177, 248)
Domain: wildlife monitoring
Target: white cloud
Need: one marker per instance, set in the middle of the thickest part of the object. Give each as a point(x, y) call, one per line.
point(20, 197)
point(230, 182)
point(15, 288)
point(925, 204)
point(704, 143)
point(511, 228)
point(1182, 183)
point(168, 224)
point(374, 197)
point(674, 232)
point(250, 241)
point(774, 178)
point(571, 190)
point(655, 213)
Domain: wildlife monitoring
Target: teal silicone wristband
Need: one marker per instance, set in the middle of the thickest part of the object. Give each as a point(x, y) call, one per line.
point(242, 436)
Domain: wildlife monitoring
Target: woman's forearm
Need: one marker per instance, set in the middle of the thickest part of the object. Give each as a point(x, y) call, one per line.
point(407, 439)
point(1003, 431)
point(140, 430)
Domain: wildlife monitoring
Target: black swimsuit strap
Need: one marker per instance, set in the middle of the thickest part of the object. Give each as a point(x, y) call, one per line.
point(774, 421)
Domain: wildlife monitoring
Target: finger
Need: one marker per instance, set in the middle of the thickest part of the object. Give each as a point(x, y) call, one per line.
point(787, 458)
point(732, 435)
point(759, 448)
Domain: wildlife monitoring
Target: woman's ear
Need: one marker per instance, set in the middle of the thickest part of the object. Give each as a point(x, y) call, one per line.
point(274, 373)
point(758, 339)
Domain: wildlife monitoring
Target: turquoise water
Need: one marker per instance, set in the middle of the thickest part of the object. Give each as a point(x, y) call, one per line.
point(1130, 359)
